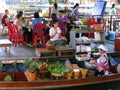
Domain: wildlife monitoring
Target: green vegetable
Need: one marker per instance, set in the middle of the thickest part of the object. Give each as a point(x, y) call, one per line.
point(39, 64)
point(8, 78)
point(27, 62)
point(58, 68)
point(33, 67)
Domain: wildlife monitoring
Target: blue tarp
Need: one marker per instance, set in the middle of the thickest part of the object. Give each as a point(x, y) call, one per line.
point(114, 60)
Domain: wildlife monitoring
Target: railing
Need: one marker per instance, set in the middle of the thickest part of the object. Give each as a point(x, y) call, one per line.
point(112, 21)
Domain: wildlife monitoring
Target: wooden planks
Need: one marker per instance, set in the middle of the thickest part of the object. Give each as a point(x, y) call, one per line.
point(65, 51)
point(43, 52)
point(59, 52)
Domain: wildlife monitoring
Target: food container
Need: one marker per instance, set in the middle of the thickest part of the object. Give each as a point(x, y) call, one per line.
point(89, 65)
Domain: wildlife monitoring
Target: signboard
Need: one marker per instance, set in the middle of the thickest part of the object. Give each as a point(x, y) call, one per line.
point(30, 0)
point(12, 2)
point(99, 8)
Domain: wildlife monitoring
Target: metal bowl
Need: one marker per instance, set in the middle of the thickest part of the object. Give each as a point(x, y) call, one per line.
point(89, 65)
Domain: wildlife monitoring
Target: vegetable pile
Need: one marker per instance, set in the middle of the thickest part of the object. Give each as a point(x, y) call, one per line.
point(58, 68)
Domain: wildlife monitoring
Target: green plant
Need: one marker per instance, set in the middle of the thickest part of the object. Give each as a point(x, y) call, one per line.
point(58, 68)
point(39, 64)
point(27, 63)
point(33, 67)
point(8, 78)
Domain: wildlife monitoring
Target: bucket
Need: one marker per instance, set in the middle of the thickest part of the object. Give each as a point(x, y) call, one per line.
point(112, 35)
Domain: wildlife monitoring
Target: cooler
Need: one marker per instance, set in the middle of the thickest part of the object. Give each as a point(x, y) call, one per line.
point(117, 44)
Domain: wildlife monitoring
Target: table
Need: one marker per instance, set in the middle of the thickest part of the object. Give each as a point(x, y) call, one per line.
point(6, 43)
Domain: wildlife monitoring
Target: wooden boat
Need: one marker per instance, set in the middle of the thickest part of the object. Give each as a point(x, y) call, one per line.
point(21, 82)
point(111, 81)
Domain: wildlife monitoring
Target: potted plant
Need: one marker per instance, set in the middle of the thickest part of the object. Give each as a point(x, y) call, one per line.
point(27, 62)
point(8, 78)
point(33, 68)
point(26, 65)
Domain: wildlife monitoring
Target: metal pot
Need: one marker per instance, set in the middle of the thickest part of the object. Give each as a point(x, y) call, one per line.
point(89, 65)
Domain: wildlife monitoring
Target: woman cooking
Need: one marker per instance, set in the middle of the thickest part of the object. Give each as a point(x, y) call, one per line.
point(102, 62)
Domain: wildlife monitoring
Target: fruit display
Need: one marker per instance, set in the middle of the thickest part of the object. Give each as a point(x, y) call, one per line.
point(86, 28)
point(44, 15)
point(75, 28)
point(81, 27)
point(84, 21)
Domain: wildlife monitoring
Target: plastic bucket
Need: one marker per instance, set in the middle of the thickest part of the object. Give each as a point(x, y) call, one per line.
point(112, 35)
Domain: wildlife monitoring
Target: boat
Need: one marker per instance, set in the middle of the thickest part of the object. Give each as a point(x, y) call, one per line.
point(21, 82)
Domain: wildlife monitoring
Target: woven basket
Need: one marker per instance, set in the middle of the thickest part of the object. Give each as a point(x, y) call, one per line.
point(57, 75)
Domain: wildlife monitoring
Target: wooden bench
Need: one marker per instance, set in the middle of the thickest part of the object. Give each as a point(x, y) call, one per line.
point(6, 43)
point(59, 53)
point(44, 53)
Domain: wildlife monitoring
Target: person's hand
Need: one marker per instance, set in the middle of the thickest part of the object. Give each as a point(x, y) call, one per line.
point(58, 32)
point(65, 38)
point(100, 69)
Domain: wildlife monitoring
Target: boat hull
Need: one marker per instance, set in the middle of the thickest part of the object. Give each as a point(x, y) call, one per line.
point(104, 82)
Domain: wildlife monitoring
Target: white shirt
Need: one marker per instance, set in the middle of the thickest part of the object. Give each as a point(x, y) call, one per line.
point(17, 23)
point(103, 58)
point(57, 36)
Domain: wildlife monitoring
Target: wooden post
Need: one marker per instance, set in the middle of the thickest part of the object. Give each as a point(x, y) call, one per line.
point(110, 22)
